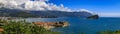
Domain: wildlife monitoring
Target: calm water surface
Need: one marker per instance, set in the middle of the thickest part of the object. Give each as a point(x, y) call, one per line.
point(88, 26)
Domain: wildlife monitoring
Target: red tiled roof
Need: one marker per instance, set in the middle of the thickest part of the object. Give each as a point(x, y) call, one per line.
point(43, 23)
point(1, 29)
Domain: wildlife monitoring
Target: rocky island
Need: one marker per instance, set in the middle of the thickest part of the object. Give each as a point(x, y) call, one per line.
point(93, 17)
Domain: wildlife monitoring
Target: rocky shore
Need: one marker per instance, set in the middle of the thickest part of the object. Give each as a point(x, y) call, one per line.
point(49, 25)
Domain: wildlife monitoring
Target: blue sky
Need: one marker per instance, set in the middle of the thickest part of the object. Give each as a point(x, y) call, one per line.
point(105, 8)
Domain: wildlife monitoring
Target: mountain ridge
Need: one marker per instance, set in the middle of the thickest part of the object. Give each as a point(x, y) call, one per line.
point(43, 14)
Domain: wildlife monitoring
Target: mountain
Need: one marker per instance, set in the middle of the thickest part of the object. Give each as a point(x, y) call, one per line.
point(4, 12)
point(43, 14)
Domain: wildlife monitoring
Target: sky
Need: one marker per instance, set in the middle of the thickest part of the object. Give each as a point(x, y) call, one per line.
point(105, 8)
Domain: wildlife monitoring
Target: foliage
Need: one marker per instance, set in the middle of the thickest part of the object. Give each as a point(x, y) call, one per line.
point(109, 32)
point(22, 27)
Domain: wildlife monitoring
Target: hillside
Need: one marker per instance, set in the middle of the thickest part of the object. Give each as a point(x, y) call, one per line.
point(43, 14)
point(15, 13)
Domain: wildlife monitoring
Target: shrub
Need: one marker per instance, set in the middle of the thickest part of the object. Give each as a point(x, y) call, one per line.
point(22, 27)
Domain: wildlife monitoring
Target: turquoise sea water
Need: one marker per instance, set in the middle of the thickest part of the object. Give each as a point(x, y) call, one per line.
point(88, 26)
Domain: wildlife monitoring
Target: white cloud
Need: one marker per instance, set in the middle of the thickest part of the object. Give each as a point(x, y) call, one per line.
point(32, 5)
point(85, 10)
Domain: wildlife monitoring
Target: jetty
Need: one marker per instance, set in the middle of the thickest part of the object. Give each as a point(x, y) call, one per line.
point(49, 25)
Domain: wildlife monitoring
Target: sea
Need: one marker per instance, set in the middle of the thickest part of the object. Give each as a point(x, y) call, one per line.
point(82, 25)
